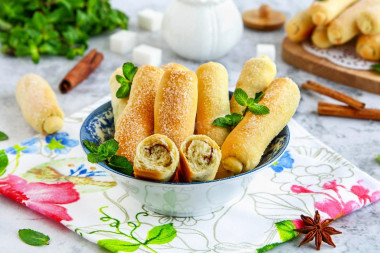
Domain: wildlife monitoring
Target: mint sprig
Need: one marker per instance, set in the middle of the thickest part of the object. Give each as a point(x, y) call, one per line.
point(378, 158)
point(129, 71)
point(32, 237)
point(3, 136)
point(376, 67)
point(106, 152)
point(250, 104)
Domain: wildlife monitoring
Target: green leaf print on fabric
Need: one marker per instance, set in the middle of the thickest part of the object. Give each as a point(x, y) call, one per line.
point(161, 234)
point(3, 162)
point(286, 230)
point(268, 247)
point(115, 246)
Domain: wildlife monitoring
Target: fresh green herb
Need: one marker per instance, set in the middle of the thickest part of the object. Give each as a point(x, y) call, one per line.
point(376, 67)
point(106, 152)
point(129, 71)
point(250, 104)
point(3, 136)
point(4, 161)
point(378, 158)
point(33, 27)
point(33, 238)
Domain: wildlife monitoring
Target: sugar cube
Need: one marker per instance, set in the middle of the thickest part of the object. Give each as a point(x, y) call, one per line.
point(266, 49)
point(150, 20)
point(122, 41)
point(144, 54)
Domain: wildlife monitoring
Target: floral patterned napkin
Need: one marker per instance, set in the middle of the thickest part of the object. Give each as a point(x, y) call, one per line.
point(51, 175)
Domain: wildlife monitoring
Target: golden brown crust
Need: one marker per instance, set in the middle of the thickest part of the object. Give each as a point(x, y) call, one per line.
point(118, 104)
point(368, 47)
point(368, 20)
point(173, 66)
point(299, 27)
point(320, 38)
point(323, 12)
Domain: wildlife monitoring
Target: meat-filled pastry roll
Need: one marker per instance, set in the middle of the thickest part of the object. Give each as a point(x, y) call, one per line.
point(157, 158)
point(173, 66)
point(137, 120)
point(323, 12)
point(244, 146)
point(38, 104)
point(368, 47)
point(118, 104)
point(200, 158)
point(213, 100)
point(368, 20)
point(256, 76)
point(319, 37)
point(299, 27)
point(175, 106)
point(344, 27)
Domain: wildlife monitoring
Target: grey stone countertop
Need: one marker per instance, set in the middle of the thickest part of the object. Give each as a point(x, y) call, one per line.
point(356, 140)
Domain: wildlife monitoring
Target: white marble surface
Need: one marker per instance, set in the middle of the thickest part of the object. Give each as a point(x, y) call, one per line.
point(356, 140)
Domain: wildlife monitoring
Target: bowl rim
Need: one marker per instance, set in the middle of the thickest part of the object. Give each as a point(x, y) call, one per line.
point(90, 117)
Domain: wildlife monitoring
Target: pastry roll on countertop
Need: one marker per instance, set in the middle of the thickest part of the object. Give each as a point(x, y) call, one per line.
point(200, 158)
point(175, 106)
point(368, 47)
point(299, 27)
point(245, 145)
point(368, 20)
point(213, 100)
point(38, 104)
point(118, 104)
point(323, 12)
point(137, 120)
point(320, 38)
point(173, 66)
point(157, 158)
point(256, 76)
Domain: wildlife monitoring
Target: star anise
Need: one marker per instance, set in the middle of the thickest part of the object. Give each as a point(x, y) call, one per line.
point(315, 229)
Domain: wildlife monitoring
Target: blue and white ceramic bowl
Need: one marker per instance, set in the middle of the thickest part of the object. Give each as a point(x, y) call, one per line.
point(178, 199)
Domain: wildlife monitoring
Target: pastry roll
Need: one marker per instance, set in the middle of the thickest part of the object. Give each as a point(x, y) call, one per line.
point(344, 27)
point(38, 104)
point(244, 146)
point(173, 66)
point(137, 121)
point(299, 27)
point(256, 76)
point(368, 20)
point(368, 47)
point(319, 37)
point(157, 158)
point(118, 104)
point(323, 12)
point(175, 106)
point(200, 158)
point(213, 100)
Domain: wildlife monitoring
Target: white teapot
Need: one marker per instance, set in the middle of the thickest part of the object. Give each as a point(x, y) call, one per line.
point(202, 29)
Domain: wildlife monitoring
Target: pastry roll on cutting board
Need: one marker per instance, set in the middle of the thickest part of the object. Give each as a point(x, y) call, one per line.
point(175, 106)
point(368, 20)
point(200, 158)
point(299, 27)
point(320, 38)
point(344, 27)
point(323, 12)
point(157, 158)
point(245, 145)
point(213, 100)
point(137, 120)
point(38, 104)
point(118, 104)
point(256, 76)
point(368, 47)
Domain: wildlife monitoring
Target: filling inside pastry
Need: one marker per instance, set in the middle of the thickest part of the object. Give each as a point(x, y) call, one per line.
point(158, 154)
point(199, 154)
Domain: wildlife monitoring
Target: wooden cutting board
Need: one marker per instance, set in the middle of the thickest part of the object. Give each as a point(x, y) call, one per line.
point(294, 54)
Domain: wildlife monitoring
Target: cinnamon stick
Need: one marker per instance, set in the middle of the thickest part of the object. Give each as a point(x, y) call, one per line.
point(81, 71)
point(348, 112)
point(354, 103)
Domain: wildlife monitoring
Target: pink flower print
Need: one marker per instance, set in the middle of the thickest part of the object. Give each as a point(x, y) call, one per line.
point(334, 208)
point(332, 185)
point(375, 196)
point(41, 197)
point(363, 193)
point(298, 224)
point(300, 189)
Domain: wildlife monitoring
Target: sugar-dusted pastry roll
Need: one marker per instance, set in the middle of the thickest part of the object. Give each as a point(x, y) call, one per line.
point(244, 146)
point(299, 27)
point(344, 28)
point(173, 66)
point(200, 158)
point(175, 106)
point(213, 100)
point(368, 47)
point(157, 158)
point(137, 120)
point(323, 12)
point(319, 37)
point(368, 20)
point(256, 76)
point(38, 104)
point(118, 104)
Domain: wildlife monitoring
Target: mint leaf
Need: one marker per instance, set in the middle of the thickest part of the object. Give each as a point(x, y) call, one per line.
point(92, 147)
point(161, 234)
point(3, 162)
point(121, 164)
point(109, 148)
point(376, 67)
point(3, 136)
point(129, 70)
point(235, 118)
point(222, 122)
point(241, 97)
point(378, 158)
point(96, 158)
point(122, 80)
point(116, 246)
point(258, 109)
point(33, 238)
point(227, 121)
point(123, 91)
point(258, 96)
